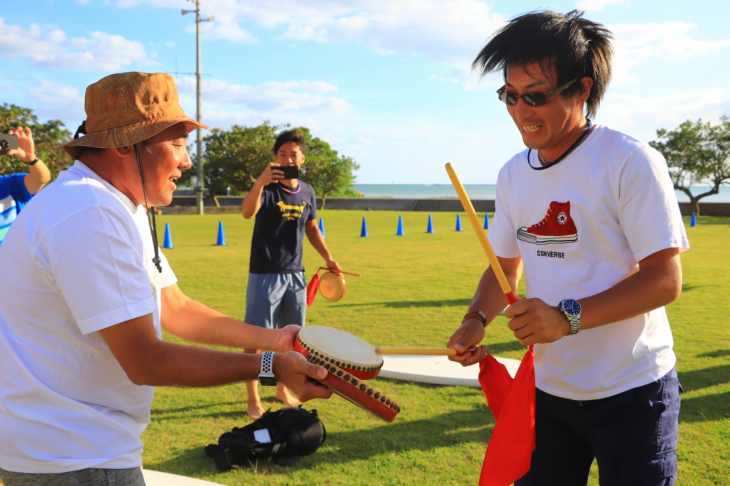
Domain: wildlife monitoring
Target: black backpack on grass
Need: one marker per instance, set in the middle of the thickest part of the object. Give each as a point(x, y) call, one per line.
point(294, 432)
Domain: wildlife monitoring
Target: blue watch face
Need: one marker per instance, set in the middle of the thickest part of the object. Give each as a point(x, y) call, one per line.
point(572, 307)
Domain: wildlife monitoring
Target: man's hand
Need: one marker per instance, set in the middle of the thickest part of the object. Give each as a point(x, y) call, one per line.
point(469, 334)
point(26, 146)
point(294, 371)
point(285, 338)
point(535, 322)
point(333, 265)
point(272, 173)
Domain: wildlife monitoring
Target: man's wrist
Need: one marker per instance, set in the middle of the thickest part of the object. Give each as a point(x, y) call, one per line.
point(33, 160)
point(477, 314)
point(267, 377)
point(566, 321)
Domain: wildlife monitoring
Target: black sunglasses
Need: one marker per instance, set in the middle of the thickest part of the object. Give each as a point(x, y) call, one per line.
point(533, 99)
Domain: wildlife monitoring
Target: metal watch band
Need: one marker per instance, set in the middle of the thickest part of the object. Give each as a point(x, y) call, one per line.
point(574, 325)
point(267, 363)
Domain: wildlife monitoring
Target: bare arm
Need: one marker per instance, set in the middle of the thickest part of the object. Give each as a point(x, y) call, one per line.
point(38, 175)
point(658, 282)
point(252, 201)
point(489, 299)
point(317, 240)
point(149, 361)
point(198, 323)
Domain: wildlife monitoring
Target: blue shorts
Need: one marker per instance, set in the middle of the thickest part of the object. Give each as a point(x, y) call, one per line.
point(276, 299)
point(632, 435)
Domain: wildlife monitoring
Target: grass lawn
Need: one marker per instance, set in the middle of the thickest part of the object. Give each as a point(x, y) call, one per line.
point(413, 292)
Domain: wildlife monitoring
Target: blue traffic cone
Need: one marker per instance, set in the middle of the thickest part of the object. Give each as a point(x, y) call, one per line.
point(364, 230)
point(321, 228)
point(486, 220)
point(430, 225)
point(168, 237)
point(221, 237)
point(693, 222)
point(458, 223)
point(400, 226)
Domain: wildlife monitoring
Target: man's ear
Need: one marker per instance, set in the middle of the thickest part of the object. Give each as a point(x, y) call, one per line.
point(123, 151)
point(586, 84)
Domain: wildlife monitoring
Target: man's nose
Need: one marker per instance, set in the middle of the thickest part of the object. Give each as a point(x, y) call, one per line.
point(187, 163)
point(523, 110)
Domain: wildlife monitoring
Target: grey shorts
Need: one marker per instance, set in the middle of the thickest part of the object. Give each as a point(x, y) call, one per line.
point(84, 477)
point(276, 299)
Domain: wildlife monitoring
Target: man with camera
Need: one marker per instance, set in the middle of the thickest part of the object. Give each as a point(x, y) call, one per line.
point(17, 189)
point(285, 210)
point(81, 346)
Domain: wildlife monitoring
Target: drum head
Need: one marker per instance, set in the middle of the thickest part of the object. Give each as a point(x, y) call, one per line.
point(332, 286)
point(340, 348)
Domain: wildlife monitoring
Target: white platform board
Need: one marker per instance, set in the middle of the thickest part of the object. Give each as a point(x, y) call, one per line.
point(157, 478)
point(437, 370)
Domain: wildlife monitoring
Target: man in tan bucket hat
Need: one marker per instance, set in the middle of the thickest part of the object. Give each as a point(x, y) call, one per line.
point(80, 329)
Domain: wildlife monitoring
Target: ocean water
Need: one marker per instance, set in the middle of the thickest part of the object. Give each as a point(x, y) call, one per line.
point(483, 191)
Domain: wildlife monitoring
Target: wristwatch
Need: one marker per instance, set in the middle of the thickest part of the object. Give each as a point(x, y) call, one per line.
point(266, 375)
point(478, 314)
point(572, 309)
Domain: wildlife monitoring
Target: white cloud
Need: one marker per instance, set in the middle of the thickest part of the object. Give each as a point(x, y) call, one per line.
point(593, 5)
point(642, 116)
point(635, 44)
point(57, 100)
point(451, 31)
point(472, 81)
point(272, 97)
point(49, 47)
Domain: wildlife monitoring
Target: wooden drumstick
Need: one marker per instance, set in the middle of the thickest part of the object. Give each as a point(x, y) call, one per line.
point(469, 208)
point(387, 350)
point(341, 271)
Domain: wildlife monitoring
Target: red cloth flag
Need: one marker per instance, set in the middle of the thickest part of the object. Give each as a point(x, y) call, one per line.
point(512, 403)
point(311, 289)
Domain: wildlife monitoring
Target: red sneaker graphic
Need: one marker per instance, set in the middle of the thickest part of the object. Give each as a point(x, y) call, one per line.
point(556, 227)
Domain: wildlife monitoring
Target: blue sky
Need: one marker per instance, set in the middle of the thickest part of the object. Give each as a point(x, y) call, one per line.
point(386, 82)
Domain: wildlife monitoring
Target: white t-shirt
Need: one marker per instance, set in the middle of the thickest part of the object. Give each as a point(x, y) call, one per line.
point(77, 260)
point(621, 209)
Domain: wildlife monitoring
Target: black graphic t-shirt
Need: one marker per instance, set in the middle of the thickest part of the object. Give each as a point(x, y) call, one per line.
point(276, 246)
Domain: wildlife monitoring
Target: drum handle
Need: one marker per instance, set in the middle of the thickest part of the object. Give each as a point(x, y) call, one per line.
point(341, 271)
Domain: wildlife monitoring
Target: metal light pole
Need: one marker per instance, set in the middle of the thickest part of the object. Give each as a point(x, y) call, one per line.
point(200, 186)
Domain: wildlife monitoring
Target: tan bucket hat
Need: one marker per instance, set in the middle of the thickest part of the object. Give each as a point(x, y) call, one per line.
point(128, 108)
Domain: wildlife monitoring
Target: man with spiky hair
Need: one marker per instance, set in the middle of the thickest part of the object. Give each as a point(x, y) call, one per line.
point(592, 216)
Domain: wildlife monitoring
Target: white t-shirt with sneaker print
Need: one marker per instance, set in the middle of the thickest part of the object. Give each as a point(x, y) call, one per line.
point(580, 227)
point(80, 258)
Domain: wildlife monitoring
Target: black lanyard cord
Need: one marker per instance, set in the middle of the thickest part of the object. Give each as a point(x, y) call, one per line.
point(565, 154)
point(153, 227)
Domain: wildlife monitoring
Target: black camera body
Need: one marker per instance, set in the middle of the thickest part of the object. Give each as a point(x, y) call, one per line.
point(290, 171)
point(8, 142)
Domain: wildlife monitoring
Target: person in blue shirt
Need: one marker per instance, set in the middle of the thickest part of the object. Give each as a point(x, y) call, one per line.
point(17, 189)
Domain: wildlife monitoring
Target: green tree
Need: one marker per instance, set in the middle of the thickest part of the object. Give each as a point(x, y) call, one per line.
point(326, 171)
point(697, 153)
point(235, 157)
point(49, 138)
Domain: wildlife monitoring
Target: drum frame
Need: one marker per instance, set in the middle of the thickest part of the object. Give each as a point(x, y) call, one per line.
point(357, 392)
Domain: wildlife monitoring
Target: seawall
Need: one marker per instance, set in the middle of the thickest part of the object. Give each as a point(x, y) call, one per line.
point(232, 205)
